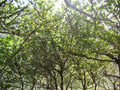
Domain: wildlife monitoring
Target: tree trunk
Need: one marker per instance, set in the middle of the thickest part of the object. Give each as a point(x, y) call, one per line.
point(55, 81)
point(95, 86)
point(33, 86)
point(61, 85)
point(119, 75)
point(84, 87)
point(22, 88)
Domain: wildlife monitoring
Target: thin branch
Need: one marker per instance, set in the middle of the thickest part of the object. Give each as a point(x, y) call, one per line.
point(15, 33)
point(4, 32)
point(13, 19)
point(14, 13)
point(85, 13)
point(14, 54)
point(92, 6)
point(82, 55)
point(3, 2)
point(113, 76)
point(110, 56)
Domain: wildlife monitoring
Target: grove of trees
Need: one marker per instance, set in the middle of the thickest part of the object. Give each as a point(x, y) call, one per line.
point(59, 44)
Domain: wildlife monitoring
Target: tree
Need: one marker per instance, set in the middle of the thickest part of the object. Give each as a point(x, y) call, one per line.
point(68, 48)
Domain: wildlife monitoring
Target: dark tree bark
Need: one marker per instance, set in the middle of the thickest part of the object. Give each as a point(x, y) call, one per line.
point(61, 85)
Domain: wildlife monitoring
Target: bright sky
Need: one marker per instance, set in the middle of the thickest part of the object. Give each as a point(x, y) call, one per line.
point(58, 3)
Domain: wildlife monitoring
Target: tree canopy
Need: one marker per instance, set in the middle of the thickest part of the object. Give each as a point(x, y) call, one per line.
point(59, 45)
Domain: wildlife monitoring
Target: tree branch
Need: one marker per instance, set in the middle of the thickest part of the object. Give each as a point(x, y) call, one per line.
point(3, 2)
point(16, 12)
point(110, 56)
point(113, 76)
point(87, 14)
point(14, 54)
point(82, 55)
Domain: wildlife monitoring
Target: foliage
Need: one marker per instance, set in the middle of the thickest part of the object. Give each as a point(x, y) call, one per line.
point(71, 47)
